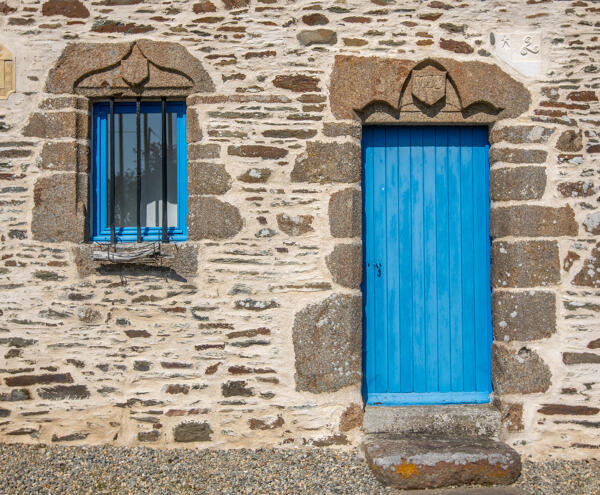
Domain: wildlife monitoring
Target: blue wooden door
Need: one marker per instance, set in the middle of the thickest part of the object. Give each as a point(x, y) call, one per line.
point(426, 289)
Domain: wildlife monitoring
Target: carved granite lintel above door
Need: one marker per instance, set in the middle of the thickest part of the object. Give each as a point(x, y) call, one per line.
point(379, 90)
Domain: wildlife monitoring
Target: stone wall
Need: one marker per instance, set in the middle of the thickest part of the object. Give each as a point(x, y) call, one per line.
point(250, 335)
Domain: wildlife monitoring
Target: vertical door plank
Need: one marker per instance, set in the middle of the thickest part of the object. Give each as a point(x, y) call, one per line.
point(467, 254)
point(455, 268)
point(430, 260)
point(443, 260)
point(416, 158)
point(380, 239)
point(392, 267)
point(405, 260)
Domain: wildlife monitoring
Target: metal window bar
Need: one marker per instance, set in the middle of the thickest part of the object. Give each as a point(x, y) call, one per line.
point(112, 170)
point(138, 176)
point(164, 169)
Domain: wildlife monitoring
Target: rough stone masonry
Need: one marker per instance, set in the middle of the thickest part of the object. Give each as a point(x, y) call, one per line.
point(250, 336)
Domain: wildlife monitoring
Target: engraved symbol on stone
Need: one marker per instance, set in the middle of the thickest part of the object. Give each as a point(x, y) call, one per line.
point(529, 47)
point(429, 85)
point(7, 73)
point(505, 41)
point(134, 69)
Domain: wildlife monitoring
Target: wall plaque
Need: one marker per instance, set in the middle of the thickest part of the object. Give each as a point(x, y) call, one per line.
point(7, 73)
point(522, 50)
point(429, 85)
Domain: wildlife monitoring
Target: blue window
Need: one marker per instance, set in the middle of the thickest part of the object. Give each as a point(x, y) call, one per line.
point(139, 185)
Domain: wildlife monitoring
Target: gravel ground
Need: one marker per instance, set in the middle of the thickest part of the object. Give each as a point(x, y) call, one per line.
point(114, 470)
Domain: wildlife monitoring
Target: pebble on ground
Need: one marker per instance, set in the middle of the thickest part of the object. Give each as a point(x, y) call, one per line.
point(43, 470)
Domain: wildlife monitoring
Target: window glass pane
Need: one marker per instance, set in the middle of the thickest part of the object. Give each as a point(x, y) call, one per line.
point(151, 137)
point(125, 171)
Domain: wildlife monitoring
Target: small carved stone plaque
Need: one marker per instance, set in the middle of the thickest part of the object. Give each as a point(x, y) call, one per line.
point(429, 85)
point(7, 73)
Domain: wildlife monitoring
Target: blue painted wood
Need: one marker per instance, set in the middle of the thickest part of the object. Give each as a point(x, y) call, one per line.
point(99, 226)
point(427, 309)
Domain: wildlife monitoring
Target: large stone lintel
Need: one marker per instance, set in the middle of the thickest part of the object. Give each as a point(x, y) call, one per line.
point(377, 88)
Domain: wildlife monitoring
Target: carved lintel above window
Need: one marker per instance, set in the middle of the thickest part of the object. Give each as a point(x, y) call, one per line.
point(143, 67)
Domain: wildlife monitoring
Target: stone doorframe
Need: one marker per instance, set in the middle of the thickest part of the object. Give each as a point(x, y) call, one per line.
point(90, 71)
point(373, 90)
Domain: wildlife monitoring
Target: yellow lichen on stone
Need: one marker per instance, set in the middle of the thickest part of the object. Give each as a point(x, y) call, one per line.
point(406, 470)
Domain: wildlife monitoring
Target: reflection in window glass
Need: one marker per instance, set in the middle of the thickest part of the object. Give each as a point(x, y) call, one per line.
point(151, 163)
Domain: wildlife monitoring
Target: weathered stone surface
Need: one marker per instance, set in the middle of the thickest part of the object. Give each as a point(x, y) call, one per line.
point(210, 218)
point(255, 175)
point(517, 183)
point(80, 60)
point(193, 125)
point(290, 133)
point(257, 151)
point(525, 264)
point(203, 151)
point(589, 275)
point(296, 225)
point(192, 432)
point(71, 437)
point(60, 208)
point(67, 8)
point(317, 37)
point(266, 423)
point(315, 19)
point(459, 421)
point(565, 409)
point(577, 189)
point(65, 156)
point(524, 315)
point(208, 178)
point(64, 392)
point(520, 134)
point(518, 371)
point(204, 7)
point(346, 129)
point(57, 125)
point(15, 395)
point(110, 26)
point(236, 388)
point(456, 46)
point(236, 4)
point(570, 140)
point(591, 223)
point(328, 162)
point(352, 417)
point(148, 436)
point(580, 358)
point(327, 340)
point(26, 380)
point(345, 265)
point(298, 83)
point(533, 221)
point(345, 213)
point(422, 462)
point(358, 81)
point(512, 155)
point(512, 415)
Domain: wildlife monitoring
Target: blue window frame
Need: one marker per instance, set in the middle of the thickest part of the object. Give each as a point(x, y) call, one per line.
point(126, 177)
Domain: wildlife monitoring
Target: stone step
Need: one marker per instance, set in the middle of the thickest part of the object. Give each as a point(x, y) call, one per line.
point(421, 462)
point(452, 420)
